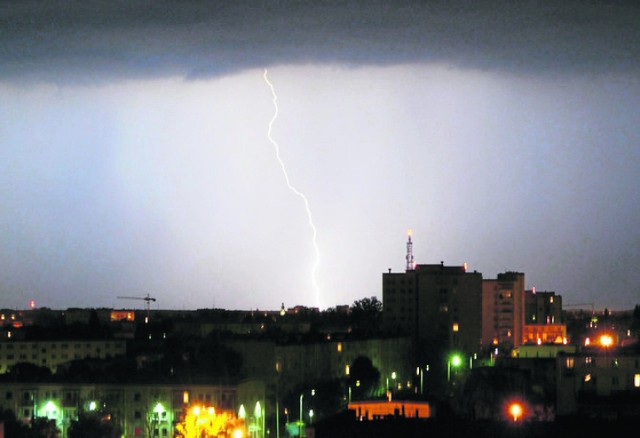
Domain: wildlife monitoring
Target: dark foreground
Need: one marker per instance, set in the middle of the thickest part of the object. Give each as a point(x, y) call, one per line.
point(347, 427)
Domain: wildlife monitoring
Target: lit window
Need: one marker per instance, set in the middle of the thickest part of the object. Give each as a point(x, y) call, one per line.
point(636, 380)
point(587, 377)
point(569, 363)
point(455, 327)
point(339, 347)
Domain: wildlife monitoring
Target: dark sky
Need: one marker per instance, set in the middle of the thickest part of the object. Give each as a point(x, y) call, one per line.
point(136, 158)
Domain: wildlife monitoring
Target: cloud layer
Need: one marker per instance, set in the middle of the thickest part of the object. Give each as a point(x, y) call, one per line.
point(97, 40)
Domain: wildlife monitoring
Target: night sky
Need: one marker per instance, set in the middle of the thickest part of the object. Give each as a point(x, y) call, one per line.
point(136, 156)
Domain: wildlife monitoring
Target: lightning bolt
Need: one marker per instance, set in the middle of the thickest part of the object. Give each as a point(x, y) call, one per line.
point(276, 147)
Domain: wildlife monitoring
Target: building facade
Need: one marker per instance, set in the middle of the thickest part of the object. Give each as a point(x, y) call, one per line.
point(52, 354)
point(133, 410)
point(439, 306)
point(542, 307)
point(599, 383)
point(503, 310)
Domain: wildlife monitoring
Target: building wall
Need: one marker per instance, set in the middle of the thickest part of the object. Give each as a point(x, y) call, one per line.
point(400, 302)
point(542, 307)
point(437, 304)
point(320, 361)
point(544, 333)
point(598, 383)
point(503, 310)
point(380, 409)
point(134, 408)
point(52, 354)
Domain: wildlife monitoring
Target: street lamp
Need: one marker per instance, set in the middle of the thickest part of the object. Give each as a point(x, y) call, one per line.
point(393, 376)
point(257, 412)
point(515, 410)
point(300, 424)
point(454, 361)
point(420, 372)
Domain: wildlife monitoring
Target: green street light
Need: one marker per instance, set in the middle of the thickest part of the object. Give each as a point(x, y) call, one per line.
point(258, 410)
point(454, 361)
point(158, 409)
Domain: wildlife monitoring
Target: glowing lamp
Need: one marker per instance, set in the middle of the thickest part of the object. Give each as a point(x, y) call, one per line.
point(258, 410)
point(606, 340)
point(515, 411)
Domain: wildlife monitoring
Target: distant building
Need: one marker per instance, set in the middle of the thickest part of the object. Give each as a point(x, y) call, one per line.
point(381, 409)
point(439, 306)
point(543, 318)
point(503, 310)
point(284, 366)
point(52, 354)
point(134, 410)
point(542, 307)
point(599, 382)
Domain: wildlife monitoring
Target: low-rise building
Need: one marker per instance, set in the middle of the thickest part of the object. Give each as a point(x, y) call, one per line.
point(133, 410)
point(52, 354)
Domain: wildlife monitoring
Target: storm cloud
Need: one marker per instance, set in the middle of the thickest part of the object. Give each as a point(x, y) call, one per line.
point(97, 40)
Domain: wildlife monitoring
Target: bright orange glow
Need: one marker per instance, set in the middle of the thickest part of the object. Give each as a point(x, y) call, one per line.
point(382, 408)
point(202, 421)
point(606, 340)
point(515, 410)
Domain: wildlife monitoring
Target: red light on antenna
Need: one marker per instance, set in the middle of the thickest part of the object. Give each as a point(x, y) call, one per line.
point(32, 304)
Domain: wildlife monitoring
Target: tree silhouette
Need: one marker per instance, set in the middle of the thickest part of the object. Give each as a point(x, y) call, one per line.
point(366, 315)
point(363, 378)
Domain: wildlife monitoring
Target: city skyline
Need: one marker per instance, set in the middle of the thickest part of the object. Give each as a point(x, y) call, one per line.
point(136, 156)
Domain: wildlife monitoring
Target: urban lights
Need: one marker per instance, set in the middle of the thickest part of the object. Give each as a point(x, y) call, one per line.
point(301, 423)
point(515, 411)
point(454, 362)
point(420, 373)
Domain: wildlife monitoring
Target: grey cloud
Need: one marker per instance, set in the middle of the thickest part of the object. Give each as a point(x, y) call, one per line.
point(97, 39)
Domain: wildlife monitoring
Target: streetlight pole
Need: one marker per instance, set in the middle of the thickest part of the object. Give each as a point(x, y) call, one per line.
point(277, 399)
point(301, 417)
point(454, 361)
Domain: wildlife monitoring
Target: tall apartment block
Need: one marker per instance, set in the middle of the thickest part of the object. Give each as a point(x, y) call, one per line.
point(543, 318)
point(440, 306)
point(542, 307)
point(503, 310)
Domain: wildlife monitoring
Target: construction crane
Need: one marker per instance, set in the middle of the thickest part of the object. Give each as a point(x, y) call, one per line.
point(147, 300)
